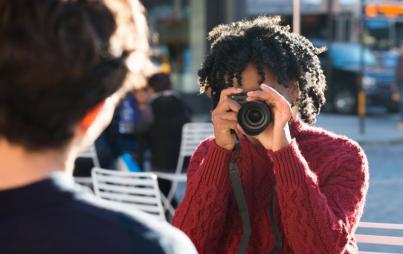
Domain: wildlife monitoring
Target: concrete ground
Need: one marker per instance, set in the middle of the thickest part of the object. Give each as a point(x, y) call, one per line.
point(379, 128)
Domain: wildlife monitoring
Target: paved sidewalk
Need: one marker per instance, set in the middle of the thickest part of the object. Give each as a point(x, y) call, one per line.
point(379, 129)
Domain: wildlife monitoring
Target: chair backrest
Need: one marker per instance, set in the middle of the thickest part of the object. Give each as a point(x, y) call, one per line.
point(84, 181)
point(91, 153)
point(192, 135)
point(137, 190)
point(373, 239)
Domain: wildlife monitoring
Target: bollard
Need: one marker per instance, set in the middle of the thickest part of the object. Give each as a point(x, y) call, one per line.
point(362, 110)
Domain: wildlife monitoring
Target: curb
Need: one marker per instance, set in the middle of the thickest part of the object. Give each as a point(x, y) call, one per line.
point(380, 142)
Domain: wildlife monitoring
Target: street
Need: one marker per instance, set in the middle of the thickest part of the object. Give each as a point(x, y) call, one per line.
point(384, 200)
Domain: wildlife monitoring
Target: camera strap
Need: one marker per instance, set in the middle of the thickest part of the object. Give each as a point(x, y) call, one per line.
point(243, 209)
point(240, 198)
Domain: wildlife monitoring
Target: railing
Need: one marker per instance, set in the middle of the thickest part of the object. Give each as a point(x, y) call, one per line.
point(373, 239)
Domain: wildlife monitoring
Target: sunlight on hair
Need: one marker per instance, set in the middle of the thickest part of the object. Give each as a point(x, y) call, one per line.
point(132, 35)
point(102, 120)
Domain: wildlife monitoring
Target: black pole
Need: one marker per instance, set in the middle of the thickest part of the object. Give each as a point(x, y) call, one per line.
point(361, 94)
point(329, 41)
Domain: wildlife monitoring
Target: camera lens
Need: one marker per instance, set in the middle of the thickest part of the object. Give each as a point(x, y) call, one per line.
point(254, 117)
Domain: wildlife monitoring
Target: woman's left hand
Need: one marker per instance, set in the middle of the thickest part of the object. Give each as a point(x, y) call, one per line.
point(277, 134)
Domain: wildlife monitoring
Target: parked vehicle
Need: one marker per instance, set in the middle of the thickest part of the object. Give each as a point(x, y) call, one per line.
point(345, 78)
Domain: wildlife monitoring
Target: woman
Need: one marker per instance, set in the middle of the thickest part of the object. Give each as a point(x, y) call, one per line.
point(303, 188)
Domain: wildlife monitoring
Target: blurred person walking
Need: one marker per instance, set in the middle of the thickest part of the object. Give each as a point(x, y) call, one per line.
point(117, 140)
point(120, 138)
point(285, 187)
point(399, 82)
point(62, 70)
point(163, 136)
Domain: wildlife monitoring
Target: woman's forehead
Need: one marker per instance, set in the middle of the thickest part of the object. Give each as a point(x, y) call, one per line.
point(252, 78)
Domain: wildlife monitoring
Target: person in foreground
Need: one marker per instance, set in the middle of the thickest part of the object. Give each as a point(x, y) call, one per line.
point(62, 67)
point(303, 188)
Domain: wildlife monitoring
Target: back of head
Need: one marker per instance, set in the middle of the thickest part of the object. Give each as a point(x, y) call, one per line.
point(159, 82)
point(265, 43)
point(56, 63)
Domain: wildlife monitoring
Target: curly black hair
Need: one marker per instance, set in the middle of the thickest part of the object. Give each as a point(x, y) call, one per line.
point(263, 42)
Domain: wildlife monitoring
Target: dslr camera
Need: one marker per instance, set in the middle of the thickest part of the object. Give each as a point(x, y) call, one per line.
point(254, 116)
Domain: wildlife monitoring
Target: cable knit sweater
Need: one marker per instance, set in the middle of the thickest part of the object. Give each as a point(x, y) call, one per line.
point(321, 182)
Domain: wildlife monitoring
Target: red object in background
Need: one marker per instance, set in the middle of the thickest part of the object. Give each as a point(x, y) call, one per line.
point(390, 10)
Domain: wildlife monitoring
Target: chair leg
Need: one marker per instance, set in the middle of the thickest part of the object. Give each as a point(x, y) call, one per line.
point(167, 205)
point(172, 191)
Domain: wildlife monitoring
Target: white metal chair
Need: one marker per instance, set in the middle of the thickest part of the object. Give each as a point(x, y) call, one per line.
point(84, 181)
point(192, 135)
point(135, 190)
point(91, 153)
point(88, 152)
point(376, 239)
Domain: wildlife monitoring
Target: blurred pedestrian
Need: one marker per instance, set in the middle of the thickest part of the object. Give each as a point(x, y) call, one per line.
point(163, 136)
point(121, 136)
point(62, 69)
point(285, 187)
point(117, 140)
point(399, 82)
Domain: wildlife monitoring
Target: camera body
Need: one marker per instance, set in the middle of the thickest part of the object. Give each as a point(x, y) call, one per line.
point(254, 116)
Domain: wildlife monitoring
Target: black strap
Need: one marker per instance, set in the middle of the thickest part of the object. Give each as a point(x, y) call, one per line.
point(240, 199)
point(243, 209)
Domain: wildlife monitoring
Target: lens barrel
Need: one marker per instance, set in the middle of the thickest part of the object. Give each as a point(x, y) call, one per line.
point(254, 117)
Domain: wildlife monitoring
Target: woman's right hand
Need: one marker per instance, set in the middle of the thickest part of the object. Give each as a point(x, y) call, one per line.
point(224, 118)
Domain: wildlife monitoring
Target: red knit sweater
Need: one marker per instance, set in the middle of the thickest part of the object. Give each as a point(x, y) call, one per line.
point(321, 183)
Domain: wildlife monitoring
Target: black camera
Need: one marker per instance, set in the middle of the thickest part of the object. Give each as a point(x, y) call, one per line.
point(254, 116)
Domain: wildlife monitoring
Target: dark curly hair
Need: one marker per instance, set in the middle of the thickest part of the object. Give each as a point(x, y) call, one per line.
point(264, 43)
point(56, 64)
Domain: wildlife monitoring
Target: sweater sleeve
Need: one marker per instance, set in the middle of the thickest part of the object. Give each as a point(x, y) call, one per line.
point(320, 217)
point(203, 211)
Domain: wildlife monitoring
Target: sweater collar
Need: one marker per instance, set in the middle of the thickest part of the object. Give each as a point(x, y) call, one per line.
point(296, 126)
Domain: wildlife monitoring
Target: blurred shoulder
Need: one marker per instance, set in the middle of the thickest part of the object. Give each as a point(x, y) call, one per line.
point(325, 142)
point(146, 232)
